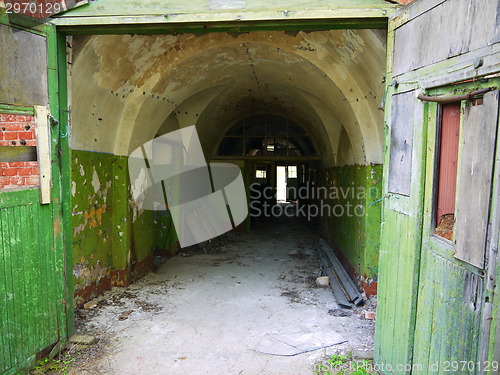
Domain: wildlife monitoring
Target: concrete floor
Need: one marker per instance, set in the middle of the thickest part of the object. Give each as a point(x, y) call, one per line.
point(211, 313)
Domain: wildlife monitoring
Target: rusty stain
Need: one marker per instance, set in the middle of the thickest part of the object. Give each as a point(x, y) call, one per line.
point(95, 216)
point(57, 227)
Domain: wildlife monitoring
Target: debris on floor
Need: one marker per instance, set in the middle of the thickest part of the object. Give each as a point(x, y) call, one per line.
point(83, 339)
point(323, 281)
point(362, 354)
point(343, 288)
point(209, 312)
point(291, 344)
point(339, 312)
point(124, 315)
point(369, 315)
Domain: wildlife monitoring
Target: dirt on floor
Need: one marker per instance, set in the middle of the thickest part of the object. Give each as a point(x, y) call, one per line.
point(249, 305)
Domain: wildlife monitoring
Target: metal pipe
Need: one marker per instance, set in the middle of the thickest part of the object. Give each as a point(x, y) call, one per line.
point(452, 99)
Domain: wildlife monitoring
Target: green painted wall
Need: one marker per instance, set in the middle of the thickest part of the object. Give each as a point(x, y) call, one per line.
point(109, 232)
point(354, 192)
point(165, 237)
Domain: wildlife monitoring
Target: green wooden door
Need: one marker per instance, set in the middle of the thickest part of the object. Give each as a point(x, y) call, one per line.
point(454, 239)
point(33, 289)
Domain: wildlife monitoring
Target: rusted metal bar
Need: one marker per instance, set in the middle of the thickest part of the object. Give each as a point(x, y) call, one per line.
point(457, 98)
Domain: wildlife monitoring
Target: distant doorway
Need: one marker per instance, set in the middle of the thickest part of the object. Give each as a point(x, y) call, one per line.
point(281, 177)
point(286, 183)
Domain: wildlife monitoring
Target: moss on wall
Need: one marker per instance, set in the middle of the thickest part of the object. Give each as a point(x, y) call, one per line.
point(353, 226)
point(110, 233)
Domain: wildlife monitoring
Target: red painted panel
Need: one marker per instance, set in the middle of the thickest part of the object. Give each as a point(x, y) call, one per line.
point(448, 159)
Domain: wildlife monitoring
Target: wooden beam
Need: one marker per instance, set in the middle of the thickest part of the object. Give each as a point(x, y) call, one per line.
point(296, 159)
point(17, 153)
point(16, 110)
point(193, 24)
point(43, 150)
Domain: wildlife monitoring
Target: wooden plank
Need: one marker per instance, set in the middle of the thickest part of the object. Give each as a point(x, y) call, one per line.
point(489, 340)
point(129, 8)
point(339, 295)
point(43, 151)
point(455, 69)
point(17, 153)
point(401, 143)
point(5, 347)
point(341, 275)
point(23, 64)
point(414, 49)
point(16, 110)
point(412, 11)
point(475, 179)
point(13, 198)
point(31, 285)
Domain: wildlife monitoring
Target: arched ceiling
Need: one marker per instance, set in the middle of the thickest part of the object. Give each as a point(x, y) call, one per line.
point(127, 89)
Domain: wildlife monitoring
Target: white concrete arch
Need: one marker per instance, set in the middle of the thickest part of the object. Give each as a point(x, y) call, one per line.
point(128, 86)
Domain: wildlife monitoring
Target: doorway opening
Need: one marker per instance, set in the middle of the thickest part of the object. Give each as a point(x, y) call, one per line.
point(281, 183)
point(272, 103)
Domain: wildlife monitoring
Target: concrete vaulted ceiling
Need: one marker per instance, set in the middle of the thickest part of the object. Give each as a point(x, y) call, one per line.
point(127, 89)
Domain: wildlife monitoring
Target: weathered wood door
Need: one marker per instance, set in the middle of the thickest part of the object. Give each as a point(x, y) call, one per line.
point(33, 288)
point(449, 306)
point(439, 240)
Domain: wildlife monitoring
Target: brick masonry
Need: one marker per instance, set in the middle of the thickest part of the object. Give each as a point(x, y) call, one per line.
point(18, 130)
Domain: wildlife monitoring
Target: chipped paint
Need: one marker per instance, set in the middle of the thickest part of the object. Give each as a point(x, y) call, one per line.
point(319, 78)
point(357, 237)
point(95, 181)
point(102, 234)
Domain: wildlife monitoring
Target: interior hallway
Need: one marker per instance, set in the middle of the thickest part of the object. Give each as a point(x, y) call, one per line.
point(211, 313)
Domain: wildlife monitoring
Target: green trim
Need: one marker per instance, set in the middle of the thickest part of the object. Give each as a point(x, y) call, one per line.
point(19, 197)
point(16, 110)
point(205, 9)
point(22, 22)
point(445, 250)
point(464, 88)
point(57, 82)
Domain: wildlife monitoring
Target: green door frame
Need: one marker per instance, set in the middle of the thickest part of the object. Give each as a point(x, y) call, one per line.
point(59, 150)
point(375, 17)
point(59, 28)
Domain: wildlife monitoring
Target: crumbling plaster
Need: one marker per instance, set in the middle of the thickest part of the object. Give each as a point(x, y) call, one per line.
point(131, 87)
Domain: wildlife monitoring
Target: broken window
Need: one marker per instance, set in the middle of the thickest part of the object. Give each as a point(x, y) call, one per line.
point(266, 135)
point(292, 171)
point(260, 173)
point(447, 161)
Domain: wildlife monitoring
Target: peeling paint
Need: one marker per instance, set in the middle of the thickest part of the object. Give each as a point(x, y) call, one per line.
point(214, 78)
point(95, 181)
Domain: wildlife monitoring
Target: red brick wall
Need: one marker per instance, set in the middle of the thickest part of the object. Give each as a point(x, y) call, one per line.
point(17, 130)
